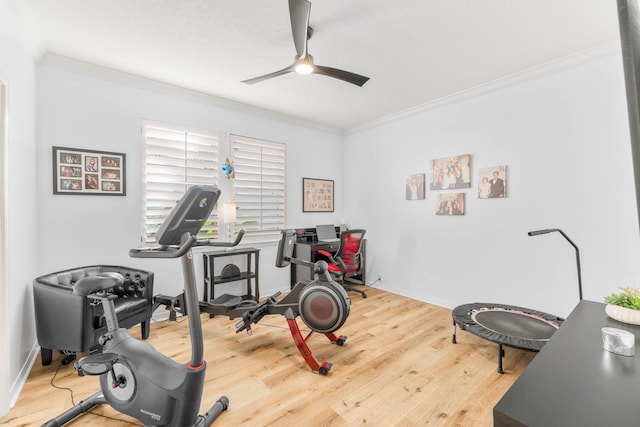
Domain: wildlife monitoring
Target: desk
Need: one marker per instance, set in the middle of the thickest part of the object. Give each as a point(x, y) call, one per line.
point(573, 381)
point(210, 280)
point(309, 252)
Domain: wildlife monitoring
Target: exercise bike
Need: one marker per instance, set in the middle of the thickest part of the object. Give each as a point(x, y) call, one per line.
point(322, 304)
point(135, 378)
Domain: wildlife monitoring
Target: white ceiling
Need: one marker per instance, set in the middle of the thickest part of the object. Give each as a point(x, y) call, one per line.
point(414, 51)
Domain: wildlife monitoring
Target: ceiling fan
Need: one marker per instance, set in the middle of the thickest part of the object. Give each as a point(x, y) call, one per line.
point(299, 11)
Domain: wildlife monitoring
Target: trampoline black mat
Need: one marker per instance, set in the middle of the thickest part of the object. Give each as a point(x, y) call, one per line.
point(516, 327)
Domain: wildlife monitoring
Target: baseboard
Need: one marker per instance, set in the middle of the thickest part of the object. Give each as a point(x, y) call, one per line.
point(417, 296)
point(23, 375)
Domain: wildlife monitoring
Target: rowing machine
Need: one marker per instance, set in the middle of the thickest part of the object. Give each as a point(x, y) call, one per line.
point(322, 304)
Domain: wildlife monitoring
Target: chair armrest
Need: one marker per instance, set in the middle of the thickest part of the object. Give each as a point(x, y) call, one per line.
point(340, 263)
point(329, 255)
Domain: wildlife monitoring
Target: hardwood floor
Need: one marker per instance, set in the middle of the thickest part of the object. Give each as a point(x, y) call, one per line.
point(398, 368)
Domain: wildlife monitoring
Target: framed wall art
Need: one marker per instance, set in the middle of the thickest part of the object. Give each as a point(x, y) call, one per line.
point(451, 172)
point(317, 195)
point(77, 171)
point(415, 186)
point(450, 204)
point(492, 182)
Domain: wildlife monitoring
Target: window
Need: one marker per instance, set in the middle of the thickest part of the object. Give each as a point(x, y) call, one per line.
point(175, 158)
point(259, 187)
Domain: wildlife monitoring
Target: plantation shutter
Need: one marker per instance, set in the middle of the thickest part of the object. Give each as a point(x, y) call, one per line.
point(175, 158)
point(259, 187)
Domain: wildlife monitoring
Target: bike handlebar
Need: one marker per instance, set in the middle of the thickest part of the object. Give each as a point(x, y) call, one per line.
point(177, 252)
point(164, 251)
point(222, 244)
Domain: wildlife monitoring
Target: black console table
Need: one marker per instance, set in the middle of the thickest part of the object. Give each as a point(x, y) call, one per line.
point(251, 273)
point(573, 381)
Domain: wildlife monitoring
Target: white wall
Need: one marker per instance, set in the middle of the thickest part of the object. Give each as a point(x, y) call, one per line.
point(564, 136)
point(17, 70)
point(83, 106)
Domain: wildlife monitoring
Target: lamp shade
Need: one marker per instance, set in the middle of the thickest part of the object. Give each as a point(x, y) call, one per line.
point(228, 212)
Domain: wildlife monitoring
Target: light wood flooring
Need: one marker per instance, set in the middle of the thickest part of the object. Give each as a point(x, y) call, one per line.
point(398, 368)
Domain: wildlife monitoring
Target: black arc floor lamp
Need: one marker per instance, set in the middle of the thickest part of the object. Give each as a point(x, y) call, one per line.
point(552, 230)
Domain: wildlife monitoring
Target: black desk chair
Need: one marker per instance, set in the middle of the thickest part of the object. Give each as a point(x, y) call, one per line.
point(348, 260)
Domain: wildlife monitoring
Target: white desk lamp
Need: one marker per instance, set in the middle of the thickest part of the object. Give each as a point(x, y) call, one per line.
point(229, 217)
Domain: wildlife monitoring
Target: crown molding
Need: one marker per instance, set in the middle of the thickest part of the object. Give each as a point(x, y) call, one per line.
point(552, 67)
point(66, 63)
point(105, 73)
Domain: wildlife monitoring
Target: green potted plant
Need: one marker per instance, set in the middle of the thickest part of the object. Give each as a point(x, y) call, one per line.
point(624, 306)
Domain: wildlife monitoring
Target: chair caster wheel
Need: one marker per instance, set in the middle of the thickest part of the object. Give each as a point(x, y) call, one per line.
point(340, 341)
point(323, 371)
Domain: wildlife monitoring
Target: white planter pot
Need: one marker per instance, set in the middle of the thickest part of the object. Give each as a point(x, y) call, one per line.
point(623, 314)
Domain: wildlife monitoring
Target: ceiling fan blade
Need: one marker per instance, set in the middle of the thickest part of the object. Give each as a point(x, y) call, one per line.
point(299, 11)
point(346, 76)
point(289, 69)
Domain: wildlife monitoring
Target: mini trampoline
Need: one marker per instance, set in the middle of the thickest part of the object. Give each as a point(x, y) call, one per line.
point(508, 325)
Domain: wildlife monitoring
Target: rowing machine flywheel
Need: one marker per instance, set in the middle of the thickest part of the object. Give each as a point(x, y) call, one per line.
point(324, 307)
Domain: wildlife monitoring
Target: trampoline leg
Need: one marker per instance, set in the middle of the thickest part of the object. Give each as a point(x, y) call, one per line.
point(500, 356)
point(453, 337)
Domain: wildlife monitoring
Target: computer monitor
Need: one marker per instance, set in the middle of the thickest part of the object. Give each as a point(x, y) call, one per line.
point(326, 233)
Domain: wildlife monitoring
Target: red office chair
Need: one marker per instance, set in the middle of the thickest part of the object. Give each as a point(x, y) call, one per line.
point(348, 260)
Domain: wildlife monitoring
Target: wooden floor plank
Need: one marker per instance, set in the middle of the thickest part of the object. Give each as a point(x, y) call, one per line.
point(398, 368)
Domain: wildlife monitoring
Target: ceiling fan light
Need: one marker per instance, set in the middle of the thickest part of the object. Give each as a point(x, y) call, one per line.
point(304, 68)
